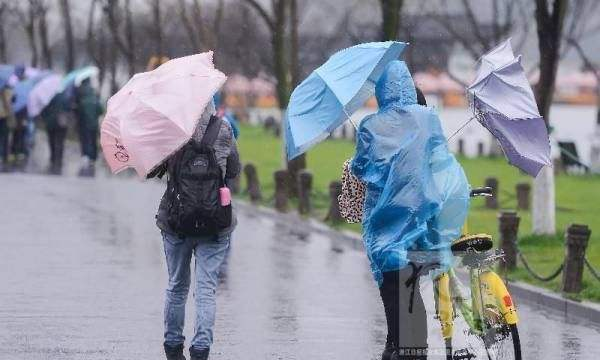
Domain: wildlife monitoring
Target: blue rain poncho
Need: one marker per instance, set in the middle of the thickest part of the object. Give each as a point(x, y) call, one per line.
point(417, 193)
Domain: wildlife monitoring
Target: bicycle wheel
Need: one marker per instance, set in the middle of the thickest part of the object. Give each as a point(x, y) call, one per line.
point(503, 343)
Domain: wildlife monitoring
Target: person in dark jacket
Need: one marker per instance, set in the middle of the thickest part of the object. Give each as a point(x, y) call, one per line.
point(88, 109)
point(55, 116)
point(209, 252)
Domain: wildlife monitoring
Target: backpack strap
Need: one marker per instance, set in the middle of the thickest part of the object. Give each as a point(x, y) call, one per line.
point(212, 132)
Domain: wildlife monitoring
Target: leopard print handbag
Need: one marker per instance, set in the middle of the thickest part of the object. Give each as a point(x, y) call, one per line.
point(352, 198)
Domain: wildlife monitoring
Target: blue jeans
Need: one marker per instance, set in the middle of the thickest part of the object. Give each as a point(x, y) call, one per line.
point(209, 252)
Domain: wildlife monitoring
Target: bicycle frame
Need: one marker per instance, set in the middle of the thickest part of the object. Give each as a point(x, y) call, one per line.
point(488, 292)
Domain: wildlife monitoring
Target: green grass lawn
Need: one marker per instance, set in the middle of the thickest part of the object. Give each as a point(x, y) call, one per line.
point(578, 199)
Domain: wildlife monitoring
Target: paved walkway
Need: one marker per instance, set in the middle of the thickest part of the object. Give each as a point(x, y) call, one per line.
point(82, 277)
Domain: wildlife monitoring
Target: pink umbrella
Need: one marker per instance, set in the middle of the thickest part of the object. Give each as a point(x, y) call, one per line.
point(156, 112)
point(42, 94)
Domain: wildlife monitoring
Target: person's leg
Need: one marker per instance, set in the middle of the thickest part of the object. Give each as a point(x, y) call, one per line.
point(3, 142)
point(61, 136)
point(412, 317)
point(51, 132)
point(93, 143)
point(390, 292)
point(178, 253)
point(210, 252)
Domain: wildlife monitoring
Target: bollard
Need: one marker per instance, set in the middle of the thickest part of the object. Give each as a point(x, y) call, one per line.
point(305, 180)
point(523, 191)
point(576, 240)
point(480, 148)
point(508, 225)
point(252, 184)
point(334, 215)
point(281, 190)
point(491, 202)
point(277, 130)
point(461, 147)
point(234, 184)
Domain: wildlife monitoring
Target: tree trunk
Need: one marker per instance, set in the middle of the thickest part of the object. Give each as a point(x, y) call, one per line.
point(31, 36)
point(43, 30)
point(65, 8)
point(190, 29)
point(390, 16)
point(130, 36)
point(3, 54)
point(158, 33)
point(298, 164)
point(549, 29)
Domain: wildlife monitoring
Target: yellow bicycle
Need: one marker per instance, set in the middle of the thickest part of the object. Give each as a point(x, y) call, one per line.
point(490, 314)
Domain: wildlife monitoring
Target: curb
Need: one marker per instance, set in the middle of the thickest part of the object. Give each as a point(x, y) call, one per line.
point(546, 298)
point(533, 295)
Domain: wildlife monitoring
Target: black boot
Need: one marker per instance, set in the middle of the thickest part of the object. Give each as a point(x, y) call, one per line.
point(196, 354)
point(174, 352)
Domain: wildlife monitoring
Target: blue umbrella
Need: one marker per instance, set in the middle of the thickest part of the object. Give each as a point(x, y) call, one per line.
point(6, 71)
point(334, 91)
point(504, 103)
point(22, 90)
point(75, 77)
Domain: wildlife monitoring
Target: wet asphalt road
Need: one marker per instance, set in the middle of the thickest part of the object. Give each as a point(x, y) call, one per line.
point(82, 277)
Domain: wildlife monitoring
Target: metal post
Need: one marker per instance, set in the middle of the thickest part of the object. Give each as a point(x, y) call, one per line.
point(491, 202)
point(281, 190)
point(576, 240)
point(305, 180)
point(252, 183)
point(523, 195)
point(508, 225)
point(334, 215)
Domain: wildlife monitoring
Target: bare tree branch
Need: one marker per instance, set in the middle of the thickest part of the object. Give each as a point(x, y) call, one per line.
point(262, 12)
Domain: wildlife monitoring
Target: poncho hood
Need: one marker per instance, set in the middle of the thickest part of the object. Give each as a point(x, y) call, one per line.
point(395, 86)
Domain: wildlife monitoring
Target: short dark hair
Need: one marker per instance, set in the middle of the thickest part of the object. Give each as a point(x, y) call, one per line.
point(420, 97)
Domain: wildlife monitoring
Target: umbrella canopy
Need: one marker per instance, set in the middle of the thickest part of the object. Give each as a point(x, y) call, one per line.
point(42, 93)
point(504, 103)
point(335, 90)
point(6, 72)
point(75, 77)
point(23, 90)
point(156, 112)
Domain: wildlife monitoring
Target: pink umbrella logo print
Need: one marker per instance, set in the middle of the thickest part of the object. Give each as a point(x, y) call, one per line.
point(121, 154)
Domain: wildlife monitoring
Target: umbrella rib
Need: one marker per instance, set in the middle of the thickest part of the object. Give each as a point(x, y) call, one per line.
point(460, 128)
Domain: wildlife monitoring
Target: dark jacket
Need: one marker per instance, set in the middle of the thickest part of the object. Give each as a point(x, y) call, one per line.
point(51, 112)
point(88, 107)
point(228, 158)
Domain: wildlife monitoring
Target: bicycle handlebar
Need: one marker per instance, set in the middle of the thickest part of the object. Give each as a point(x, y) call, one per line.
point(483, 191)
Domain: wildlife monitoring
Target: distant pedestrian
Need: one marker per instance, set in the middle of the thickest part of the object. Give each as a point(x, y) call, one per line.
point(88, 109)
point(18, 144)
point(55, 116)
point(6, 123)
point(196, 187)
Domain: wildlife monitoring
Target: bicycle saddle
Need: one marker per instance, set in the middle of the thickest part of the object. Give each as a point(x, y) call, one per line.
point(470, 243)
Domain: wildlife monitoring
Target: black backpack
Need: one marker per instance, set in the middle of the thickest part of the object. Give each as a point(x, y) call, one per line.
point(195, 208)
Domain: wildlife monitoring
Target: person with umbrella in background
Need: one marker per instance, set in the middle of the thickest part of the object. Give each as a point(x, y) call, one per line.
point(6, 123)
point(416, 202)
point(88, 109)
point(56, 115)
